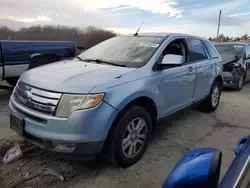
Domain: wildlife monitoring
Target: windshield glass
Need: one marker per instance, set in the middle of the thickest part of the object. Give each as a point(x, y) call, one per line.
point(230, 51)
point(129, 51)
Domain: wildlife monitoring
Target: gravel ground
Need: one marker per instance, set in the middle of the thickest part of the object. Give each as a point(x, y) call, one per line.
point(173, 138)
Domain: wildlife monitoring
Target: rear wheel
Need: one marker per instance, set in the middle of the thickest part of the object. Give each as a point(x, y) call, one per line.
point(12, 81)
point(130, 137)
point(213, 99)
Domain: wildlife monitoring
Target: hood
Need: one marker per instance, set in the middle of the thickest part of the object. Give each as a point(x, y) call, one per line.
point(72, 76)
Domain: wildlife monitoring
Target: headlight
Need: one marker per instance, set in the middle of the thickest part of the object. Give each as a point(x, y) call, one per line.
point(70, 103)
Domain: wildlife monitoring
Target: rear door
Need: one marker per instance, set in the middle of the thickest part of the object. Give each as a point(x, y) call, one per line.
point(205, 68)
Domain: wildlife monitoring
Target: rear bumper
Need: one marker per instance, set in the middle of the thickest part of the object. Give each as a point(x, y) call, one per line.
point(83, 133)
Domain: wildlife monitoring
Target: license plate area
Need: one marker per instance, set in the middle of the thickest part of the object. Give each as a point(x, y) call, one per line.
point(17, 124)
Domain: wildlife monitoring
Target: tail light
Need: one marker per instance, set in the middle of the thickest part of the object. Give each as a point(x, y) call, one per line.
point(75, 51)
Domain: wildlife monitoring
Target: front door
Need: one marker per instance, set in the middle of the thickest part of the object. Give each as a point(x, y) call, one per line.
point(176, 84)
point(177, 87)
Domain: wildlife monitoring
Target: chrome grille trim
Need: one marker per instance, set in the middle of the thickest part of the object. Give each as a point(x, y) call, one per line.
point(36, 99)
point(45, 94)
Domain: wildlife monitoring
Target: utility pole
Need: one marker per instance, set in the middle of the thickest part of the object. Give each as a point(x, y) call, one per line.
point(218, 30)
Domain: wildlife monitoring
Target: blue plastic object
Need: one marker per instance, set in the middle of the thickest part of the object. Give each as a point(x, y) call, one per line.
point(240, 144)
point(199, 168)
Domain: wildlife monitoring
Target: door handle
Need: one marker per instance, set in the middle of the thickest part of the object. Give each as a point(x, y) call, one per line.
point(190, 69)
point(211, 65)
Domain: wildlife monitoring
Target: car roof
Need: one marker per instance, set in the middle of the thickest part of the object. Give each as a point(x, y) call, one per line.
point(165, 35)
point(231, 43)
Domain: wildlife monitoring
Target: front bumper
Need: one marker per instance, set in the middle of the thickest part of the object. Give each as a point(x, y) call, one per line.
point(230, 79)
point(83, 133)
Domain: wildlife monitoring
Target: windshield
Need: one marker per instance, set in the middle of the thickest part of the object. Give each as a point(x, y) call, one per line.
point(230, 51)
point(129, 51)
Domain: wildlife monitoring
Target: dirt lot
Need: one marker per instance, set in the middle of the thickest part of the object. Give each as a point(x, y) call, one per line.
point(173, 138)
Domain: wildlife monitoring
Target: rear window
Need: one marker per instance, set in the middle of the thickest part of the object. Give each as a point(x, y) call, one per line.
point(211, 50)
point(197, 50)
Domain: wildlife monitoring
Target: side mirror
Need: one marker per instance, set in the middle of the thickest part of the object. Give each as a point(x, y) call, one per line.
point(199, 168)
point(171, 59)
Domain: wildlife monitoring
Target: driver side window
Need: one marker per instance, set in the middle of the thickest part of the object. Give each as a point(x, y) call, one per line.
point(176, 47)
point(248, 52)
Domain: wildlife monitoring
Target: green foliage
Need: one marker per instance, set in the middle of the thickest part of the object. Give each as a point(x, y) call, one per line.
point(223, 38)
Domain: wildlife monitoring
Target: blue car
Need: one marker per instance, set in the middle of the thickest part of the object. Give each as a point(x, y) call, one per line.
point(201, 168)
point(18, 56)
point(109, 99)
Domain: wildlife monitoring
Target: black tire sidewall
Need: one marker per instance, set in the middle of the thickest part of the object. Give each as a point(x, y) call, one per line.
point(237, 87)
point(128, 116)
point(12, 81)
point(211, 93)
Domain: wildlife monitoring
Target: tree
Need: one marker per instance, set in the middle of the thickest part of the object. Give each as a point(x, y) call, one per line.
point(245, 37)
point(85, 38)
point(237, 39)
point(221, 37)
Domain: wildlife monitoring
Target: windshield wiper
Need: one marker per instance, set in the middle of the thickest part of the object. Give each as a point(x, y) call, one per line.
point(100, 61)
point(79, 58)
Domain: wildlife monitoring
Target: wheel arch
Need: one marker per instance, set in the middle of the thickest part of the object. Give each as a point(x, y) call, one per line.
point(219, 79)
point(144, 101)
point(38, 56)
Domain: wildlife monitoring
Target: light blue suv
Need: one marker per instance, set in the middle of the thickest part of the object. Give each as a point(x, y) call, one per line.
point(109, 99)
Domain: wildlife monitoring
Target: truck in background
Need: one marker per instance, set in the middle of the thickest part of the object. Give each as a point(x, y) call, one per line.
point(19, 56)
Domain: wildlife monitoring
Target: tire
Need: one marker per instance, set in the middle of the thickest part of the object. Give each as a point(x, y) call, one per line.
point(240, 83)
point(42, 60)
point(116, 152)
point(208, 105)
point(12, 81)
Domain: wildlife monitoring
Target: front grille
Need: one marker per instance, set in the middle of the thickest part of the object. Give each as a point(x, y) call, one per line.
point(36, 99)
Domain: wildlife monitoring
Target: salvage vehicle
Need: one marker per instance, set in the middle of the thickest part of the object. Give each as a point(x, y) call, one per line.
point(236, 63)
point(109, 99)
point(201, 168)
point(19, 56)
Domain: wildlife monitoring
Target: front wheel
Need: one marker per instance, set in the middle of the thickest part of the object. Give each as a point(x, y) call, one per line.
point(213, 99)
point(130, 137)
point(240, 83)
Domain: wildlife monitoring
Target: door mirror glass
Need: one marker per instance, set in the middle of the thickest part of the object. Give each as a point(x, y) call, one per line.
point(171, 59)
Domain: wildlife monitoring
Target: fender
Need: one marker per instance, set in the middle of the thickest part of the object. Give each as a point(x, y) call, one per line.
point(34, 55)
point(123, 102)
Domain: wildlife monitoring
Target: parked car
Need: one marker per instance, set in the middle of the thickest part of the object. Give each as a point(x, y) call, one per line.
point(201, 168)
point(109, 98)
point(19, 56)
point(236, 63)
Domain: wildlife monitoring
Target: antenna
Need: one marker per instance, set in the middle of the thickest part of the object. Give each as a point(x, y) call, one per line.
point(136, 33)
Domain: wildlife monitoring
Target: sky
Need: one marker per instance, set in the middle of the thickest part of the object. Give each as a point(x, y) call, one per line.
point(198, 17)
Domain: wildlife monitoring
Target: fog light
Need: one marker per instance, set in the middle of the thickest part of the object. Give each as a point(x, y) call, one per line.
point(64, 146)
point(231, 82)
